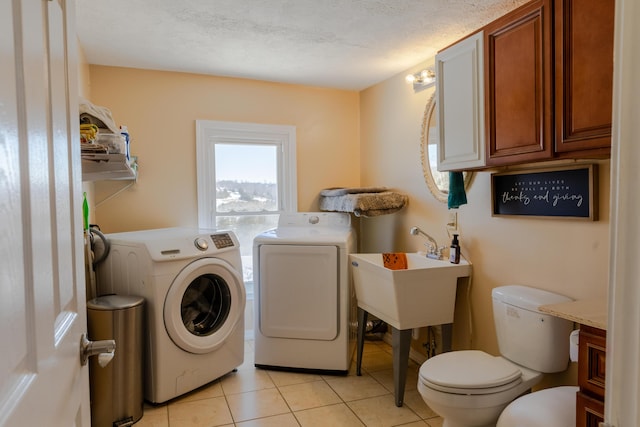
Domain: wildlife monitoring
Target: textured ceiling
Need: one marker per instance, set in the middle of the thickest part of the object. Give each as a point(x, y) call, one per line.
point(345, 44)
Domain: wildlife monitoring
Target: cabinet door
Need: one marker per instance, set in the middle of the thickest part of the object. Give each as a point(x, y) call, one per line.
point(589, 411)
point(584, 74)
point(518, 85)
point(592, 360)
point(460, 105)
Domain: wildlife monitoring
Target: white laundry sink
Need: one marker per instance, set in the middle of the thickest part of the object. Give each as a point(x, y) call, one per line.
point(424, 294)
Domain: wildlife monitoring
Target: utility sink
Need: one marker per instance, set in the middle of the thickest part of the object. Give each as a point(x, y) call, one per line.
point(424, 294)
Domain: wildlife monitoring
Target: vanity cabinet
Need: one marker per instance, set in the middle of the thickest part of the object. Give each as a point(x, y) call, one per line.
point(583, 76)
point(591, 376)
point(518, 85)
point(460, 105)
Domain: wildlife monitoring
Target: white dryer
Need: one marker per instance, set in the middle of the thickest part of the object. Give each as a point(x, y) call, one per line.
point(191, 280)
point(305, 306)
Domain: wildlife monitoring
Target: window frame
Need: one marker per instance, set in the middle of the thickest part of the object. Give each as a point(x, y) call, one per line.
point(212, 132)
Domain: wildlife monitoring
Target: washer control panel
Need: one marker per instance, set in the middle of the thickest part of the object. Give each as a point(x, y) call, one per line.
point(222, 240)
point(180, 243)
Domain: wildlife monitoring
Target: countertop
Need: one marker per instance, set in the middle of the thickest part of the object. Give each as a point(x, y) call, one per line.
point(591, 312)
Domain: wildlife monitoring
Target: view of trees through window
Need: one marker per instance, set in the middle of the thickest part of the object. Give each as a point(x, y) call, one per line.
point(234, 196)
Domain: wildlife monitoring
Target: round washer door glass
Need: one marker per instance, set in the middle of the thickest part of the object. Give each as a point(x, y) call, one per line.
point(204, 305)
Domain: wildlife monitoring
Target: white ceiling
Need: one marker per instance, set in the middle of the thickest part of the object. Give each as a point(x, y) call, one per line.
point(344, 44)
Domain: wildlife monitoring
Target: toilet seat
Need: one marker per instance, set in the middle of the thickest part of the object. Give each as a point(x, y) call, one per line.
point(469, 372)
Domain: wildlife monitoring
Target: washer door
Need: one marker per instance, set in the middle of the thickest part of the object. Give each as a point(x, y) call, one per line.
point(204, 304)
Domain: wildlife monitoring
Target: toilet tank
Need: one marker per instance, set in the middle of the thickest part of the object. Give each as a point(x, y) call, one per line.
point(527, 336)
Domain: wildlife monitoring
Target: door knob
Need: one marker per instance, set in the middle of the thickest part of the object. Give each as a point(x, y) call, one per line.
point(104, 349)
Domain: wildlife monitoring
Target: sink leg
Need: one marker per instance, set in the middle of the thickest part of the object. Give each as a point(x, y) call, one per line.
point(401, 342)
point(362, 324)
point(447, 334)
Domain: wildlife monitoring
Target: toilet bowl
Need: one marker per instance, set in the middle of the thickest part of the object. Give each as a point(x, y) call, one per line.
point(551, 407)
point(471, 388)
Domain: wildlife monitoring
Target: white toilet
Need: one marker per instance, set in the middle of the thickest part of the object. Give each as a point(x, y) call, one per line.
point(471, 388)
point(551, 407)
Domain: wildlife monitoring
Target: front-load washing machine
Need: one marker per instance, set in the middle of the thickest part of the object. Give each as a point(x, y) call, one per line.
point(305, 306)
point(191, 280)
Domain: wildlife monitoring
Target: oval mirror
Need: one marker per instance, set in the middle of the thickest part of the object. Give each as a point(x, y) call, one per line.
point(438, 182)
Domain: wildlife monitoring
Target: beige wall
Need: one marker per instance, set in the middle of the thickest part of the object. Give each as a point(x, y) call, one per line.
point(160, 109)
point(566, 256)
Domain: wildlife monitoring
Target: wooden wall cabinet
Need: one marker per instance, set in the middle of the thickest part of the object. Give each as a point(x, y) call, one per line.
point(583, 76)
point(549, 81)
point(518, 85)
point(460, 105)
point(591, 376)
point(546, 90)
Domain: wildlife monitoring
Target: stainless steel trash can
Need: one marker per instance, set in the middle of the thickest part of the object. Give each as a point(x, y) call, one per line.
point(116, 389)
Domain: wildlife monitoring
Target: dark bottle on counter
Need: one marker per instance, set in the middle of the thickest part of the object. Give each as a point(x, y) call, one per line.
point(454, 251)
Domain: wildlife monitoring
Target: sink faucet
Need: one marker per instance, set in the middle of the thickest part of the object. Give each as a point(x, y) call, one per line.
point(434, 251)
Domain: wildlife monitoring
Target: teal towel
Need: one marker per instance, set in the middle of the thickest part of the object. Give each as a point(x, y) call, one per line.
point(457, 195)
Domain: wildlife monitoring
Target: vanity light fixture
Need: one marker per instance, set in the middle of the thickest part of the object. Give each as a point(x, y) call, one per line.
point(422, 79)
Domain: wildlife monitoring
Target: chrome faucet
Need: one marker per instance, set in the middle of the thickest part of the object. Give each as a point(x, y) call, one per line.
point(433, 251)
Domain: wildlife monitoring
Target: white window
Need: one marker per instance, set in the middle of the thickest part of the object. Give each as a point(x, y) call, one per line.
point(246, 177)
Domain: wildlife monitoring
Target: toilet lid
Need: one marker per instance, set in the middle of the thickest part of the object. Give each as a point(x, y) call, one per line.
point(470, 370)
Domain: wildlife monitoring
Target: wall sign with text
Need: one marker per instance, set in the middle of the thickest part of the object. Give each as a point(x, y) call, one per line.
point(569, 191)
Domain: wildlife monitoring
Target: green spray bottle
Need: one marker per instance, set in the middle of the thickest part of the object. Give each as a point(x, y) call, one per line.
point(85, 211)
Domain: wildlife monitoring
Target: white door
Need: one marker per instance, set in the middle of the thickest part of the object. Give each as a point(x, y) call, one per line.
point(42, 293)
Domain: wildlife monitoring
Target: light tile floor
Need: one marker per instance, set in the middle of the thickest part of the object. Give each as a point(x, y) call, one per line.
point(253, 397)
